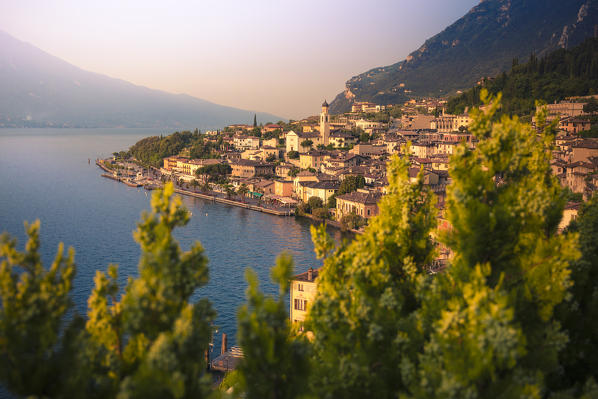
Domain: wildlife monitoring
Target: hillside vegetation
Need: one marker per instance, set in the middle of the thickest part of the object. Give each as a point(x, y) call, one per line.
point(150, 151)
point(561, 74)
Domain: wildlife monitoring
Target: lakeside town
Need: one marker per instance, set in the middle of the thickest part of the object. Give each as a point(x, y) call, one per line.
point(333, 167)
point(392, 199)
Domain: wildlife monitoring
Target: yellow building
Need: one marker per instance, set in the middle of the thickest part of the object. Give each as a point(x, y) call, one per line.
point(360, 202)
point(187, 166)
point(247, 168)
point(446, 123)
point(312, 159)
point(303, 293)
point(321, 189)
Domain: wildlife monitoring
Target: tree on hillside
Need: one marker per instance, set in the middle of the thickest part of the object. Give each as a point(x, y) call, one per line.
point(254, 120)
point(307, 143)
point(591, 106)
point(350, 184)
point(556, 76)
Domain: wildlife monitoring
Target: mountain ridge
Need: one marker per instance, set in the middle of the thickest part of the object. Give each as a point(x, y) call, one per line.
point(482, 43)
point(41, 90)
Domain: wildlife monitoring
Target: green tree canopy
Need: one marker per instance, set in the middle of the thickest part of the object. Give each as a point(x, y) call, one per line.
point(350, 184)
point(307, 143)
point(276, 362)
point(315, 202)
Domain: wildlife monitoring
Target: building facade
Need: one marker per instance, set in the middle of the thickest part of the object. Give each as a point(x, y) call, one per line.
point(303, 293)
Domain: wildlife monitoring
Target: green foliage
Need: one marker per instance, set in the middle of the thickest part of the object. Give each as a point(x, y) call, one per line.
point(331, 201)
point(563, 73)
point(151, 150)
point(307, 143)
point(293, 171)
point(33, 302)
point(579, 314)
point(204, 150)
point(591, 106)
point(497, 335)
point(256, 131)
point(315, 202)
point(149, 343)
point(275, 363)
point(215, 173)
point(570, 196)
point(320, 213)
point(394, 111)
point(364, 137)
point(495, 323)
point(352, 221)
point(592, 133)
point(366, 294)
point(243, 190)
point(293, 154)
point(350, 184)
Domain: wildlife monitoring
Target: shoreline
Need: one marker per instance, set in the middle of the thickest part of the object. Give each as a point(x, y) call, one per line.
point(214, 198)
point(208, 197)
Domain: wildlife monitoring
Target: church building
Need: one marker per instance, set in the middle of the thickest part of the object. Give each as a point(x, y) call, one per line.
point(294, 139)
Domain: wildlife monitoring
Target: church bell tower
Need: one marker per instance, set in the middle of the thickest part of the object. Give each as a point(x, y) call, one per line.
point(325, 124)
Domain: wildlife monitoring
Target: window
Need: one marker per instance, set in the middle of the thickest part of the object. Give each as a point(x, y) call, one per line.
point(300, 304)
point(299, 287)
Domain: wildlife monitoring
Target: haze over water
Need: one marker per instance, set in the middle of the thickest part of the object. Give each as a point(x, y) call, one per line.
point(44, 174)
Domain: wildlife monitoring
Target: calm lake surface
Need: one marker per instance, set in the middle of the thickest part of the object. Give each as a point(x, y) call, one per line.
point(44, 174)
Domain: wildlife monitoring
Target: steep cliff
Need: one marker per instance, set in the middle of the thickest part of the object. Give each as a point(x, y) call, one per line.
point(482, 43)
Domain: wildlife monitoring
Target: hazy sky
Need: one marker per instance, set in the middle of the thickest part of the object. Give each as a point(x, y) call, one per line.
point(282, 57)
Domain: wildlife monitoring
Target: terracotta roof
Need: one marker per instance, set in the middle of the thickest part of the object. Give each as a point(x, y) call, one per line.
point(361, 197)
point(325, 184)
point(586, 144)
point(303, 276)
point(248, 162)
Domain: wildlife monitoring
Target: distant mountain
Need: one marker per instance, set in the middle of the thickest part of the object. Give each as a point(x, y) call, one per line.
point(482, 43)
point(40, 90)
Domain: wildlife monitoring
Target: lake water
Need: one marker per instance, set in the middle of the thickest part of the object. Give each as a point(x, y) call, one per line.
point(44, 174)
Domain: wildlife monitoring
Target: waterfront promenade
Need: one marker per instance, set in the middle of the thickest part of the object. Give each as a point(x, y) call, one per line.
point(242, 202)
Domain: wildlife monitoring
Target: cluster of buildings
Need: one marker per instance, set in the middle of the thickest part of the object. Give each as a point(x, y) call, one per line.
point(292, 163)
point(306, 161)
point(574, 162)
